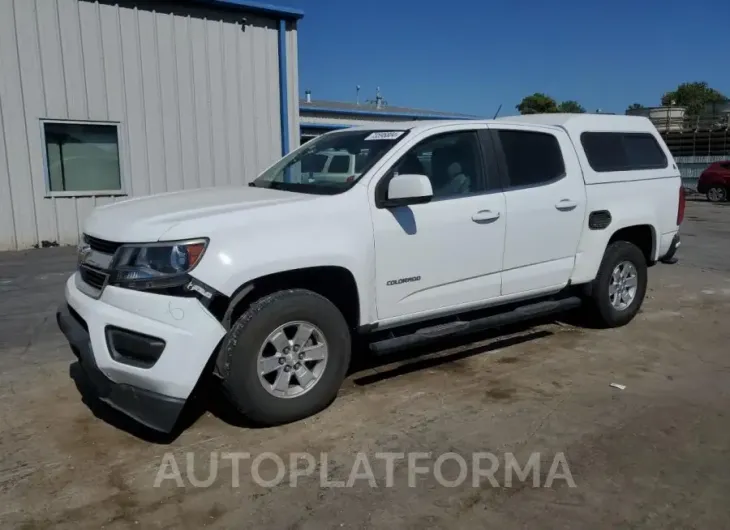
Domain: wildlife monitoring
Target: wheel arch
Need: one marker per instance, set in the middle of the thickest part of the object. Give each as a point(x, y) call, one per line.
point(334, 282)
point(639, 232)
point(643, 236)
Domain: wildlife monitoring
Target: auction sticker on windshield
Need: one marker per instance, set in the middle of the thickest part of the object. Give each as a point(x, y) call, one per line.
point(385, 135)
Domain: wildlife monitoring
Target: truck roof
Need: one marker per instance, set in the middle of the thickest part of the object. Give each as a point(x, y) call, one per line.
point(573, 123)
point(586, 122)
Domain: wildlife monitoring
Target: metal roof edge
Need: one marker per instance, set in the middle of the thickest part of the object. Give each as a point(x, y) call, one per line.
point(354, 112)
point(279, 12)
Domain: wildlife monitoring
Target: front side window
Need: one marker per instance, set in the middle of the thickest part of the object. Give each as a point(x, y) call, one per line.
point(82, 157)
point(532, 158)
point(303, 171)
point(451, 161)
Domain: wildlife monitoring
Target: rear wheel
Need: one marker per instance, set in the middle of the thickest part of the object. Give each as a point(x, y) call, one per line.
point(619, 288)
point(287, 356)
point(717, 194)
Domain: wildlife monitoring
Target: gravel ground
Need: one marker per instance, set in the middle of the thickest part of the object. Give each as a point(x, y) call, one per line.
point(653, 455)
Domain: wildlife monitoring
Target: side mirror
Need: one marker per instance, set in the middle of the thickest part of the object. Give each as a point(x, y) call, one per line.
point(408, 189)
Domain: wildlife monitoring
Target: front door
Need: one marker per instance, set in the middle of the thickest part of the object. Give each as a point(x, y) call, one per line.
point(446, 253)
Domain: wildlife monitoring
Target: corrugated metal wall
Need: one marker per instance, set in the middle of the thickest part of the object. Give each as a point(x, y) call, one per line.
point(197, 99)
point(691, 167)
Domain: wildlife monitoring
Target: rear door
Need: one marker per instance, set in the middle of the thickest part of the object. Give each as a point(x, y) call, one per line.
point(545, 203)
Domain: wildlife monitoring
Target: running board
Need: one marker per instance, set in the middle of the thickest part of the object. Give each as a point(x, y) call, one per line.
point(458, 327)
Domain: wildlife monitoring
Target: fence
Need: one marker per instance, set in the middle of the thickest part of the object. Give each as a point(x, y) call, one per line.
point(705, 135)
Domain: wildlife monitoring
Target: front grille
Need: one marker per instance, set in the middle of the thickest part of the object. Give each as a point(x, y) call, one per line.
point(101, 245)
point(93, 277)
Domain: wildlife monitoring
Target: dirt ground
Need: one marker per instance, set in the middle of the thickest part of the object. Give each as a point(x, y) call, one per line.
point(654, 455)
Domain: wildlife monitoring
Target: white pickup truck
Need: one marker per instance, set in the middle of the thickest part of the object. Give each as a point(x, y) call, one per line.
point(448, 228)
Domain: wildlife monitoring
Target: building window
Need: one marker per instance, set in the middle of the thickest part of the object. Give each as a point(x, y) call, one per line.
point(82, 158)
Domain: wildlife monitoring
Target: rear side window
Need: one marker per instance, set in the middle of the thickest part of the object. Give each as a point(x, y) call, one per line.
point(532, 158)
point(608, 151)
point(339, 164)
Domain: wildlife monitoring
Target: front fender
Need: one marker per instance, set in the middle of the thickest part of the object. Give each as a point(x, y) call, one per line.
point(235, 259)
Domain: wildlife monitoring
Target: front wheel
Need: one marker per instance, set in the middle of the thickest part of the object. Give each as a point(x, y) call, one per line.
point(717, 194)
point(286, 357)
point(619, 288)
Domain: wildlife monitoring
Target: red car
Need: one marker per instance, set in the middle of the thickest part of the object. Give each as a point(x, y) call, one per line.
point(715, 181)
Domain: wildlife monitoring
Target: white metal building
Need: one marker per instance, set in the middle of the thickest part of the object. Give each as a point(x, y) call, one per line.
point(101, 100)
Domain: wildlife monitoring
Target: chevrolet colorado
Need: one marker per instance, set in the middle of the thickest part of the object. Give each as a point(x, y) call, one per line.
point(446, 228)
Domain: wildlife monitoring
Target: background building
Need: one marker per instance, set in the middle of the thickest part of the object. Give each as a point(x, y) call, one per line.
point(318, 117)
point(695, 140)
point(101, 100)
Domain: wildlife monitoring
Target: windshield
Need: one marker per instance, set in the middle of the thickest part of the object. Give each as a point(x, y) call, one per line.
point(331, 163)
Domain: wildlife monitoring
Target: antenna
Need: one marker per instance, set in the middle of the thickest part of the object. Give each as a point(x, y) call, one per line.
point(497, 113)
point(379, 100)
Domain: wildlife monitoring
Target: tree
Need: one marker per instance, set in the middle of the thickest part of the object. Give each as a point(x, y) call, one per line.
point(694, 96)
point(572, 107)
point(635, 106)
point(537, 103)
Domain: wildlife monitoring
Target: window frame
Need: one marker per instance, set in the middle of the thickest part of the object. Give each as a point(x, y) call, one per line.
point(121, 149)
point(501, 158)
point(623, 135)
point(381, 188)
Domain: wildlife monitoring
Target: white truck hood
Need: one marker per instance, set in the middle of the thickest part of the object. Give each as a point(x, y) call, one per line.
point(146, 219)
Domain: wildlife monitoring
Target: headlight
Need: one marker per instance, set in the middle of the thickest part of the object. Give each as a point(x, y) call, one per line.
point(156, 264)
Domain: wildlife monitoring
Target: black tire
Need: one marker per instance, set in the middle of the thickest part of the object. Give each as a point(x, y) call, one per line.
point(605, 314)
point(241, 347)
point(717, 194)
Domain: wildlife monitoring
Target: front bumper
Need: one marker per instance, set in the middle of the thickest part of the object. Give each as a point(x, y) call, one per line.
point(153, 395)
point(153, 410)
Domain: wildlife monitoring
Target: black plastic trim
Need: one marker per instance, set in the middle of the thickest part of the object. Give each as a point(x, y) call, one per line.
point(462, 326)
point(493, 175)
point(132, 348)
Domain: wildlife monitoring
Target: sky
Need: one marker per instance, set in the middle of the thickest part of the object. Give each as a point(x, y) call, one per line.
point(471, 56)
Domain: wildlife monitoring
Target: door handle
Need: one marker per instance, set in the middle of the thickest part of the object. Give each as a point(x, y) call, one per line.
point(566, 205)
point(485, 216)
